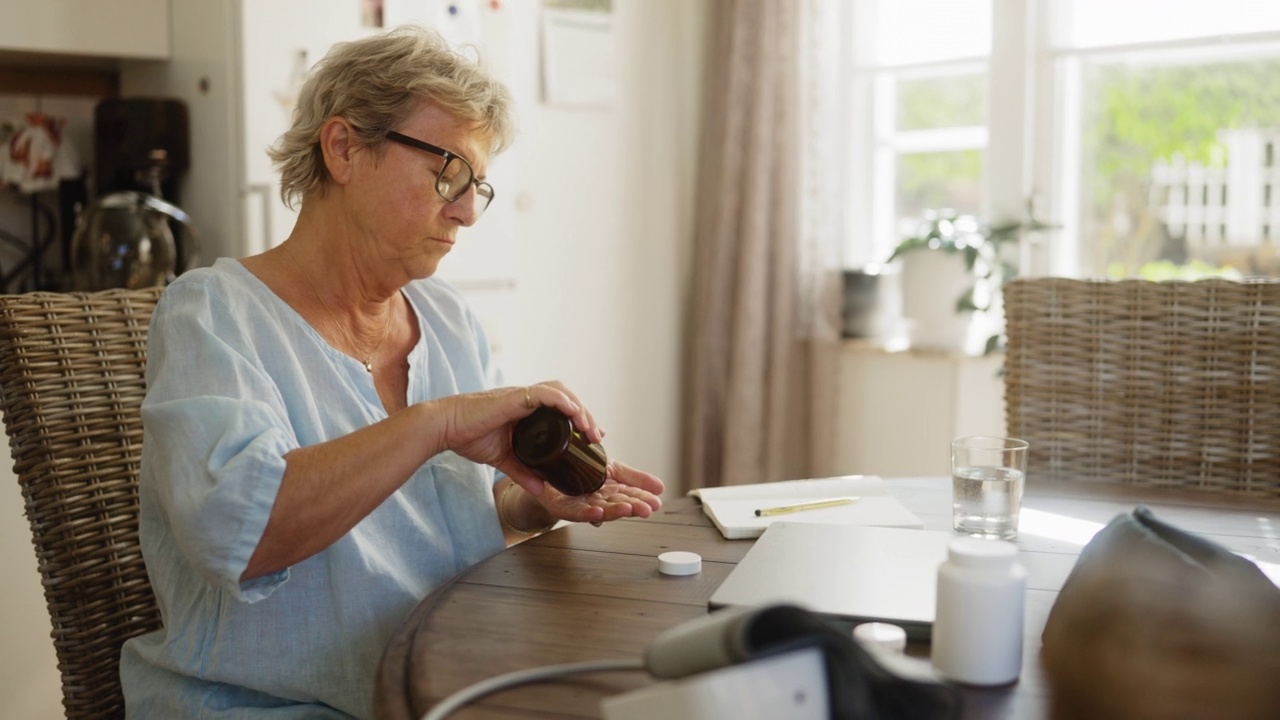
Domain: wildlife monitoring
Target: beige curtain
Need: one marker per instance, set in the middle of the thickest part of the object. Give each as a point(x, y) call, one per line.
point(766, 287)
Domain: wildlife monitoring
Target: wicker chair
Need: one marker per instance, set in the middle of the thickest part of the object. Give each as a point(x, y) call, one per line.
point(71, 385)
point(1173, 384)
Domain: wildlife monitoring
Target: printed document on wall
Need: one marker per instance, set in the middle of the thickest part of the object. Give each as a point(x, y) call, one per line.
point(578, 64)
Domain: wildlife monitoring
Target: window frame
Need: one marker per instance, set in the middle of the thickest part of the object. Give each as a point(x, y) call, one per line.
point(1032, 156)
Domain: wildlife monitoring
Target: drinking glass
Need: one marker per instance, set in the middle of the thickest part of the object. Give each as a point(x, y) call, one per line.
point(987, 479)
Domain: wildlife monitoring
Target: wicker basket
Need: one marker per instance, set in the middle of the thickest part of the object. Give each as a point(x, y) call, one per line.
point(1172, 384)
point(71, 387)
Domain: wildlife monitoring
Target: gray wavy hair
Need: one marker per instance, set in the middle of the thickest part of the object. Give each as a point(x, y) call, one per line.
point(376, 83)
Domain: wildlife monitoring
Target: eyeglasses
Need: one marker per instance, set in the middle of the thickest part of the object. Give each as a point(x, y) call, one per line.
point(455, 177)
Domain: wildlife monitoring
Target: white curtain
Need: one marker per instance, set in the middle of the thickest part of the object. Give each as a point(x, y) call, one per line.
point(765, 315)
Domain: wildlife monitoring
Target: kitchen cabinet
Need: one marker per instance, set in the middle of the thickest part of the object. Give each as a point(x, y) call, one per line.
point(238, 65)
point(90, 28)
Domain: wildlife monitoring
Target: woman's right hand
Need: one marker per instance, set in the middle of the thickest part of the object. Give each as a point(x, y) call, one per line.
point(479, 425)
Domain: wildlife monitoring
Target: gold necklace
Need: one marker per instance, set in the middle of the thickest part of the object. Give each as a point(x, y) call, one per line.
point(386, 327)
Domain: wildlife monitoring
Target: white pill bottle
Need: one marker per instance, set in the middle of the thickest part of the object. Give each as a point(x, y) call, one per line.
point(977, 632)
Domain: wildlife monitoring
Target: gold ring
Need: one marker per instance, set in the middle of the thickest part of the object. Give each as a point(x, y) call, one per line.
point(528, 401)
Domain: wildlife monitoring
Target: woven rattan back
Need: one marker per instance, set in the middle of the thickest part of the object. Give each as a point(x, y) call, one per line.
point(71, 388)
point(1173, 384)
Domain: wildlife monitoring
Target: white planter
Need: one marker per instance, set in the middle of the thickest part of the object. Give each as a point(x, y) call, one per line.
point(932, 282)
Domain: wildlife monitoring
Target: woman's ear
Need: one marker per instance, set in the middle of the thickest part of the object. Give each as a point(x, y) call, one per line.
point(337, 143)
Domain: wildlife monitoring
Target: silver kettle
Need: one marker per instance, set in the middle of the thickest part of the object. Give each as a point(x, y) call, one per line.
point(123, 240)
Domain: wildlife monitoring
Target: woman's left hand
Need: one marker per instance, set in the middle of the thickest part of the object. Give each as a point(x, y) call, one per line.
point(626, 492)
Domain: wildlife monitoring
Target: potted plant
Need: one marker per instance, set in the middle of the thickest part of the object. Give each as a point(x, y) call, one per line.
point(953, 267)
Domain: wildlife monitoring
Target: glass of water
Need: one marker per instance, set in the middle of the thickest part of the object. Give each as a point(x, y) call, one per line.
point(987, 478)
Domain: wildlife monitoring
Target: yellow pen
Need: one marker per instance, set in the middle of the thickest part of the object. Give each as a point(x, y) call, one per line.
point(815, 505)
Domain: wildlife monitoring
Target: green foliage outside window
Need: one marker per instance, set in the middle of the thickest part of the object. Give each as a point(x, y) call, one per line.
point(1159, 270)
point(1144, 114)
point(1134, 116)
point(928, 180)
point(1137, 115)
point(947, 101)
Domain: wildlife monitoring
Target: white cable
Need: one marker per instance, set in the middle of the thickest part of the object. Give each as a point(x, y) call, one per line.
point(471, 693)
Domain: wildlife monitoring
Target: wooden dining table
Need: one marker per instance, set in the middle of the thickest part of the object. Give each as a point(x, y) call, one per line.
point(583, 593)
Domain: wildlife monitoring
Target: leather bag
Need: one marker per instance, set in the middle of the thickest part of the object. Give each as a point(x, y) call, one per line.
point(1156, 622)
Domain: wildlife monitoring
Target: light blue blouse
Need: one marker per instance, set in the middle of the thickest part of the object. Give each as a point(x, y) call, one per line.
point(236, 379)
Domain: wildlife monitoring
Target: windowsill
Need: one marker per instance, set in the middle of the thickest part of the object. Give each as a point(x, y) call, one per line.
point(904, 348)
point(960, 335)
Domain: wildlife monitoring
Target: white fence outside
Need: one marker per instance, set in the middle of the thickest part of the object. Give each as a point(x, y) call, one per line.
point(1235, 204)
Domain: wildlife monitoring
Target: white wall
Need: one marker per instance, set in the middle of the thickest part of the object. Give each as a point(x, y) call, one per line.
point(29, 683)
point(605, 240)
point(895, 413)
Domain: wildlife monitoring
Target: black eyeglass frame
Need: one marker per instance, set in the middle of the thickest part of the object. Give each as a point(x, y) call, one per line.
point(435, 150)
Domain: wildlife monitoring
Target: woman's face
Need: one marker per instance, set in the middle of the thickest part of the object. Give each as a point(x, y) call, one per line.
point(401, 213)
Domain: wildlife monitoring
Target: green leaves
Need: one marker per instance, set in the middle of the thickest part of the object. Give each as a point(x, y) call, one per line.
point(983, 248)
point(978, 245)
point(919, 243)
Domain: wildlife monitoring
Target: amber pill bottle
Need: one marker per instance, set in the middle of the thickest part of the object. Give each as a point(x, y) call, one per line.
point(547, 442)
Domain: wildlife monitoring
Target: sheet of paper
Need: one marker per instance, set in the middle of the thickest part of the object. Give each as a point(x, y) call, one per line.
point(733, 508)
point(578, 63)
point(813, 488)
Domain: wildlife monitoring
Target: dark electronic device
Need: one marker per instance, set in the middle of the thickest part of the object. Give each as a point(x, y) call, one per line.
point(128, 132)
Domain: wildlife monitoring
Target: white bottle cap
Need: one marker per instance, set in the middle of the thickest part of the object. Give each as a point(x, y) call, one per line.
point(678, 562)
point(881, 635)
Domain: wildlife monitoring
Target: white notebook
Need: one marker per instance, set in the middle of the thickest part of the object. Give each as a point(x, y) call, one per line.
point(859, 574)
point(733, 507)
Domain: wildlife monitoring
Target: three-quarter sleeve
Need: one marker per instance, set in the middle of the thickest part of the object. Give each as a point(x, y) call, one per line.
point(216, 431)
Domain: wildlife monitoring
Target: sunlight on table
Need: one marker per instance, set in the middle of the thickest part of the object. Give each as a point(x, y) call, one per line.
point(1057, 527)
point(1079, 532)
point(1271, 570)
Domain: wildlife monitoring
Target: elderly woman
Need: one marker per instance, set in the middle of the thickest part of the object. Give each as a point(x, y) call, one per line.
point(322, 432)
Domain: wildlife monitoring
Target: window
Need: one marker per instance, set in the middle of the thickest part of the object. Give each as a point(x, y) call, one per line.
point(920, 78)
point(1148, 131)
